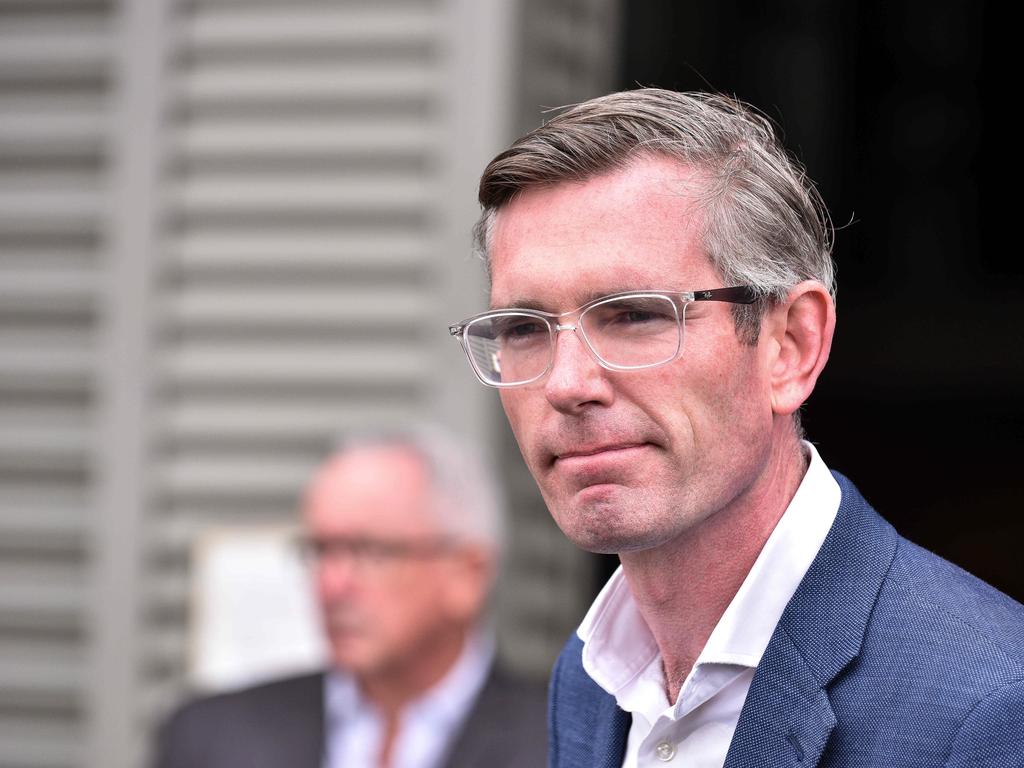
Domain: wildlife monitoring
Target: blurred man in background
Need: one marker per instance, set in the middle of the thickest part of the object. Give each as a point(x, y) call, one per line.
point(403, 532)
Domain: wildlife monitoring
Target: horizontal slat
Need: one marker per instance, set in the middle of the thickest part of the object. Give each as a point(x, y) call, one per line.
point(330, 138)
point(205, 251)
point(42, 289)
point(256, 195)
point(37, 744)
point(282, 84)
point(54, 46)
point(53, 198)
point(41, 524)
point(45, 364)
point(224, 477)
point(72, 109)
point(269, 28)
point(296, 363)
point(172, 536)
point(166, 592)
point(314, 306)
point(59, 448)
point(48, 678)
point(39, 598)
point(281, 420)
point(64, 133)
point(165, 647)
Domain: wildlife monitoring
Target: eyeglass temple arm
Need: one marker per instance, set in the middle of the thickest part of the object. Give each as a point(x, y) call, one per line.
point(740, 294)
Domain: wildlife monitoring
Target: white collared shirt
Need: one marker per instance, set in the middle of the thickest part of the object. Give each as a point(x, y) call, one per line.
point(355, 731)
point(621, 655)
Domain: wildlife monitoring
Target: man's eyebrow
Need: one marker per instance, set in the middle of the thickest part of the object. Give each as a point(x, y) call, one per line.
point(593, 295)
point(521, 304)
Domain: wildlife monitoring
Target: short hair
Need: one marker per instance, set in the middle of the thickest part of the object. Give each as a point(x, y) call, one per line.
point(765, 226)
point(468, 506)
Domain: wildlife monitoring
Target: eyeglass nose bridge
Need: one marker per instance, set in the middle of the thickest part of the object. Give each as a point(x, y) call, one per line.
point(582, 336)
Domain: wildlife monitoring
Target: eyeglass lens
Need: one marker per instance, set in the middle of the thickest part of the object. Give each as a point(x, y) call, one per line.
point(368, 551)
point(627, 332)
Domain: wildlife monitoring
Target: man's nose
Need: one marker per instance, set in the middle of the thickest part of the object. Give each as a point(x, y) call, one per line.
point(335, 575)
point(576, 379)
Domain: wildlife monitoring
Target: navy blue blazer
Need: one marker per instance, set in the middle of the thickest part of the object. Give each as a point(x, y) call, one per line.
point(887, 655)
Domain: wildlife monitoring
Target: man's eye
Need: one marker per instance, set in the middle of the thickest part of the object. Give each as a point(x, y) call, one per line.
point(524, 329)
point(637, 316)
point(521, 330)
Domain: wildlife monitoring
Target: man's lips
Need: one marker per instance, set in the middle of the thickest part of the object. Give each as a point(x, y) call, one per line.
point(583, 452)
point(595, 457)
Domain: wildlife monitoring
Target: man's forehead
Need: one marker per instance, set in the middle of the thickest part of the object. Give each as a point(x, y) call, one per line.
point(637, 228)
point(371, 484)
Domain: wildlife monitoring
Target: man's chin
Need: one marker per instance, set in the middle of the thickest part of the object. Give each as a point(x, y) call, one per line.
point(609, 518)
point(352, 655)
point(591, 519)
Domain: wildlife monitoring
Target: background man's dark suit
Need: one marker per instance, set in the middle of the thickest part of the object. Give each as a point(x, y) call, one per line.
point(281, 725)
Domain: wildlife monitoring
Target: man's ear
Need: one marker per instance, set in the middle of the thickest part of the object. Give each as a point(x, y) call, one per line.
point(801, 330)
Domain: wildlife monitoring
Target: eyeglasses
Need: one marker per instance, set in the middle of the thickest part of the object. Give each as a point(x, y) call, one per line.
point(624, 332)
point(370, 552)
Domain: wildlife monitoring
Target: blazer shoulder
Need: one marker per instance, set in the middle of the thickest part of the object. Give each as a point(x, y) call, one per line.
point(254, 701)
point(199, 731)
point(964, 605)
point(943, 655)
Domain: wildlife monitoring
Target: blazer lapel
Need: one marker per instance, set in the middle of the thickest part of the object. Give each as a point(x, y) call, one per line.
point(301, 725)
point(597, 739)
point(586, 728)
point(609, 743)
point(787, 718)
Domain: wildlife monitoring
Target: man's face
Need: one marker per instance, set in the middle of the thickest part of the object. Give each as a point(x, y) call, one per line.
point(381, 611)
point(630, 460)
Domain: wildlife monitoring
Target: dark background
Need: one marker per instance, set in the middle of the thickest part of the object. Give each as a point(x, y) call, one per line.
point(900, 111)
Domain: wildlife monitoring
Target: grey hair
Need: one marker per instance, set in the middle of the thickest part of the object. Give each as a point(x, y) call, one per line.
point(468, 505)
point(766, 225)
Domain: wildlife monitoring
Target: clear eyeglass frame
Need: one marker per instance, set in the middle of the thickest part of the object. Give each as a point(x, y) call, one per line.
point(552, 321)
point(369, 552)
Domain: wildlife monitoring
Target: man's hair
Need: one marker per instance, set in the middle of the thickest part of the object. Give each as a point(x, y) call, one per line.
point(467, 504)
point(765, 224)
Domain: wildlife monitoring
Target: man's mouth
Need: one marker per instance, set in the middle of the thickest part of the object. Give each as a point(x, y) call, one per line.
point(593, 460)
point(597, 450)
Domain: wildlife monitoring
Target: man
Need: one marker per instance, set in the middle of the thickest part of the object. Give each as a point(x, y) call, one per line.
point(763, 613)
point(403, 534)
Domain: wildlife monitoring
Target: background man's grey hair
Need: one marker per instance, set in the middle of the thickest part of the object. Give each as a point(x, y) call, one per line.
point(468, 504)
point(765, 223)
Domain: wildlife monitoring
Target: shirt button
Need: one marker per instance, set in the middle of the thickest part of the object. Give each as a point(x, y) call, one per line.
point(665, 751)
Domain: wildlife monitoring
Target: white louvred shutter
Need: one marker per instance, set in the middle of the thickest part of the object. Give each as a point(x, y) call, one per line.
point(55, 82)
point(312, 249)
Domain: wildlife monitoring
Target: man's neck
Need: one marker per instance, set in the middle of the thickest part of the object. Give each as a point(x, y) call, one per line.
point(390, 690)
point(682, 588)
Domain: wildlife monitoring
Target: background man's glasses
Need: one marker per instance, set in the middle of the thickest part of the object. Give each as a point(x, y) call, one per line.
point(370, 552)
point(623, 332)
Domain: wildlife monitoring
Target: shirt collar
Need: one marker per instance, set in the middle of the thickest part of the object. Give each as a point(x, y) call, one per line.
point(448, 701)
point(743, 632)
point(618, 647)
